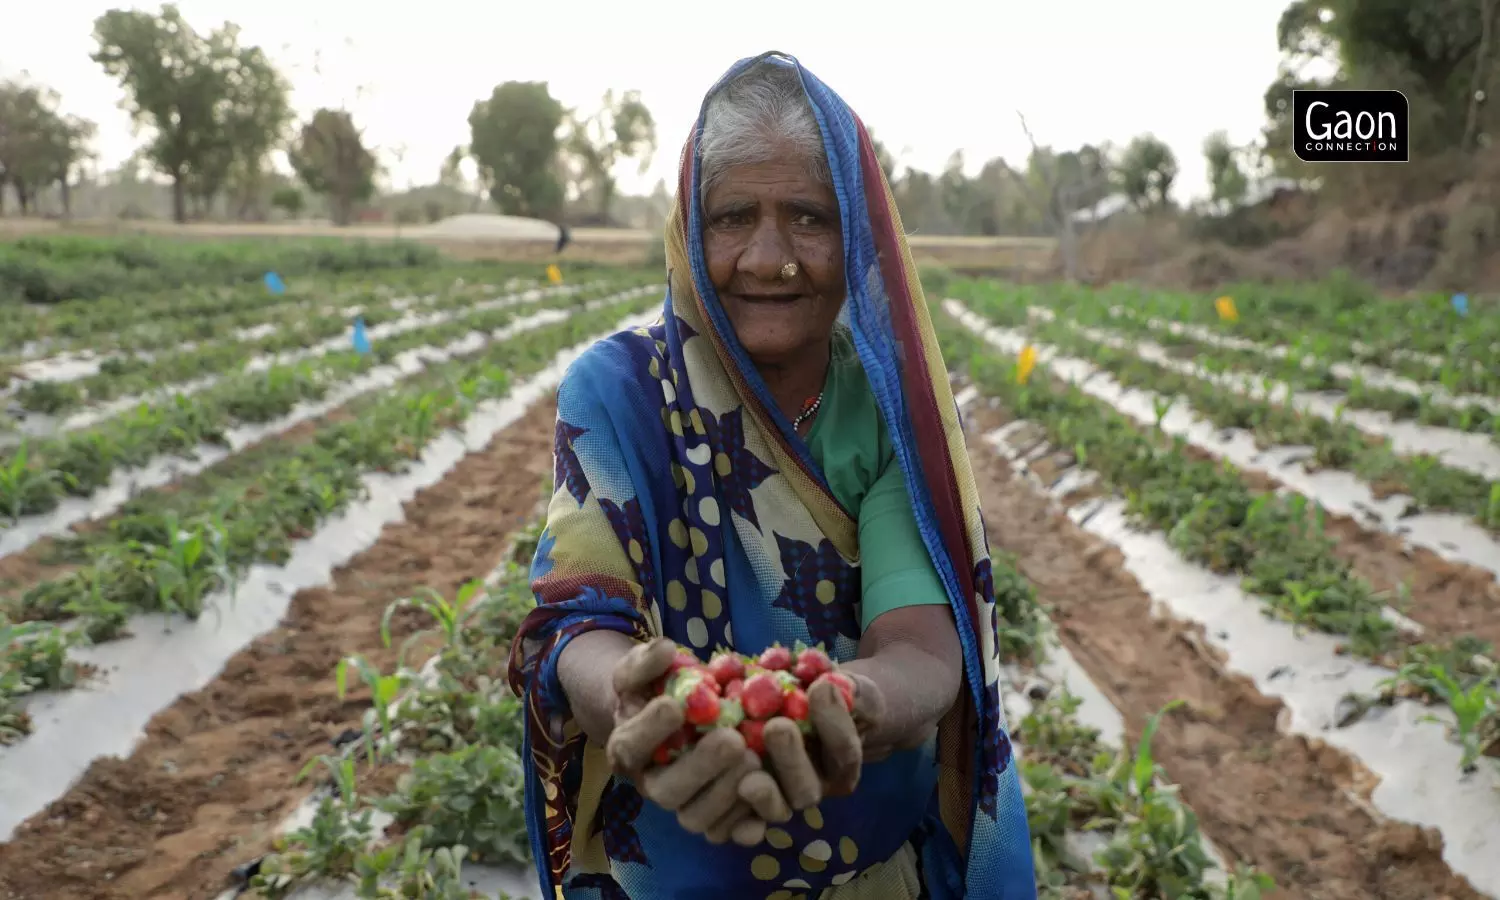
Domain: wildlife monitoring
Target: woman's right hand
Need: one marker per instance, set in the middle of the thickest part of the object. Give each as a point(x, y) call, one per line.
point(703, 784)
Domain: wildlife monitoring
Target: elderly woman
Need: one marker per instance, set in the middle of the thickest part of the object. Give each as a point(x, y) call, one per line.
point(779, 460)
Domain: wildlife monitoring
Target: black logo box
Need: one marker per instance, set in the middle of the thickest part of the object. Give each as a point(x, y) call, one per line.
point(1350, 126)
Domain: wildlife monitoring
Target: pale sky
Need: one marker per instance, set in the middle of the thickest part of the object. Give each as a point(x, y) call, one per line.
point(927, 78)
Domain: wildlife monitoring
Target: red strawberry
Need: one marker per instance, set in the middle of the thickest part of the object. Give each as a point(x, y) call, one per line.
point(683, 660)
point(726, 667)
point(753, 731)
point(776, 658)
point(670, 748)
point(811, 663)
point(684, 682)
point(845, 686)
point(733, 689)
point(794, 705)
point(702, 705)
point(761, 696)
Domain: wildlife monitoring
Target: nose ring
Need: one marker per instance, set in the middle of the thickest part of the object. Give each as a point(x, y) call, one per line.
point(789, 271)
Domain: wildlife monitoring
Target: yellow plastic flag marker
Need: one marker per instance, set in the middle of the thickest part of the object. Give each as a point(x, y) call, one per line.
point(554, 274)
point(1025, 364)
point(1227, 312)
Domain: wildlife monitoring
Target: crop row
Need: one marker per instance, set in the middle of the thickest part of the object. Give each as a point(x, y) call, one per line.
point(293, 327)
point(300, 329)
point(126, 321)
point(1431, 483)
point(1274, 541)
point(149, 321)
point(1423, 339)
point(169, 551)
point(1304, 365)
point(455, 732)
point(34, 478)
point(56, 269)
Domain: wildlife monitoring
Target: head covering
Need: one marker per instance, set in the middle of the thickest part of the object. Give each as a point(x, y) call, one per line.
point(687, 505)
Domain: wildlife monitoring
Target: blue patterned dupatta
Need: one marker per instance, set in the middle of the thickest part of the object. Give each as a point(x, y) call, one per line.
point(685, 505)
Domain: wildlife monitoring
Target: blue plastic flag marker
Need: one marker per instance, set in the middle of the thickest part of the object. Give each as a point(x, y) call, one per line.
point(274, 284)
point(1461, 304)
point(361, 338)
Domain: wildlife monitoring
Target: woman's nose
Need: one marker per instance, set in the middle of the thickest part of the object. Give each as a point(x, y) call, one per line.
point(766, 252)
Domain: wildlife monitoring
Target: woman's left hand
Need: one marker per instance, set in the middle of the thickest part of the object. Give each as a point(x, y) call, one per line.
point(796, 780)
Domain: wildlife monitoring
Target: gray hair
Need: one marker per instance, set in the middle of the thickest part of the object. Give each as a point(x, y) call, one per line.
point(759, 117)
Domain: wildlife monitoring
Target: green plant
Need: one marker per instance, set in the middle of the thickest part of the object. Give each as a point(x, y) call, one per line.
point(448, 618)
point(411, 870)
point(384, 689)
point(472, 796)
point(327, 847)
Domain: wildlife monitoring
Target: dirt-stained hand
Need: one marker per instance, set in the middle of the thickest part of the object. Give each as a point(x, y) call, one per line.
point(635, 673)
point(799, 781)
point(642, 720)
point(701, 785)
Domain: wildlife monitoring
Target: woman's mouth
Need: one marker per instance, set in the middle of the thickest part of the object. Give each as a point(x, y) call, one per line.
point(770, 299)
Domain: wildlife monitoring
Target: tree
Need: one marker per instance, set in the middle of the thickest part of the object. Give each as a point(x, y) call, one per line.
point(1442, 54)
point(621, 129)
point(289, 200)
point(451, 173)
point(1061, 184)
point(968, 209)
point(1146, 171)
point(885, 157)
point(39, 145)
point(26, 119)
point(256, 116)
point(514, 141)
point(210, 103)
point(68, 140)
point(1226, 177)
point(331, 159)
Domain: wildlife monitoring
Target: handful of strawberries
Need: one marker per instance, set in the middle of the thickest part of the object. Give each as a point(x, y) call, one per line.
point(745, 692)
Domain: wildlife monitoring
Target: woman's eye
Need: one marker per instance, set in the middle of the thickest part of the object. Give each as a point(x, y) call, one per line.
point(732, 219)
point(807, 220)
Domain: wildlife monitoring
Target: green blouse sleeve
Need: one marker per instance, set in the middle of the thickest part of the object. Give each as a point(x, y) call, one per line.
point(895, 568)
point(849, 440)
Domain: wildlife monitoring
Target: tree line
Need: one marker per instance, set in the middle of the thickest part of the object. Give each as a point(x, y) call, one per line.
point(214, 109)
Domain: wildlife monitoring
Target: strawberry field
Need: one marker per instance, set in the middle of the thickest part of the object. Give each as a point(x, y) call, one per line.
point(259, 586)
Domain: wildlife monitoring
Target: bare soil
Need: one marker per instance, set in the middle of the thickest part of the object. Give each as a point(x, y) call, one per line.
point(206, 788)
point(1293, 808)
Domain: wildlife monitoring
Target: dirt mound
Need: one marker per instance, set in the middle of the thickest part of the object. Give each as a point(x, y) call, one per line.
point(1450, 243)
point(482, 226)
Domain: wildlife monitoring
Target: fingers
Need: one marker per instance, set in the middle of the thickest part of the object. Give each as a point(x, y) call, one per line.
point(869, 703)
point(642, 665)
point(724, 829)
point(749, 833)
point(711, 806)
point(761, 791)
point(795, 772)
point(634, 740)
point(672, 786)
point(842, 755)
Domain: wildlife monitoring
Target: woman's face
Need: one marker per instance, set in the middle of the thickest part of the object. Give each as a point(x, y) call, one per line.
point(757, 219)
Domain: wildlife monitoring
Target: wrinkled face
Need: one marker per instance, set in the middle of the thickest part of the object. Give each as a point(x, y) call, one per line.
point(756, 220)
